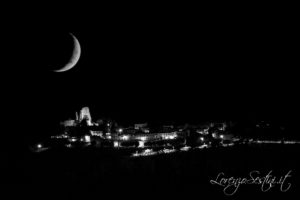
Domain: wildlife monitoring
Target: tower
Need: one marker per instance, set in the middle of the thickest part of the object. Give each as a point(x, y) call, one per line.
point(85, 114)
point(76, 113)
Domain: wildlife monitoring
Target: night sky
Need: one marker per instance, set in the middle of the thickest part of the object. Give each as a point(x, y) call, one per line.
point(139, 63)
point(151, 65)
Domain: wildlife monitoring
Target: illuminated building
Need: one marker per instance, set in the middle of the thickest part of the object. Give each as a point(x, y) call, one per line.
point(140, 126)
point(85, 114)
point(168, 128)
point(130, 130)
point(68, 123)
point(141, 144)
point(97, 133)
point(76, 115)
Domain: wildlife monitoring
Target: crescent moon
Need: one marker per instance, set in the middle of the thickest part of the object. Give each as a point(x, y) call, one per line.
point(74, 58)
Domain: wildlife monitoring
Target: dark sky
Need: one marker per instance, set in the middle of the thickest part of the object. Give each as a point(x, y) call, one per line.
point(152, 64)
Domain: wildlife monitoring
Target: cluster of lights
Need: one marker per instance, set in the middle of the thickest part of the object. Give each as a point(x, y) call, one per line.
point(73, 139)
point(146, 152)
point(60, 136)
point(150, 152)
point(228, 145)
point(185, 148)
point(166, 136)
point(170, 137)
point(96, 133)
point(203, 132)
point(291, 142)
point(168, 151)
point(203, 146)
point(125, 137)
point(267, 142)
point(143, 138)
point(273, 141)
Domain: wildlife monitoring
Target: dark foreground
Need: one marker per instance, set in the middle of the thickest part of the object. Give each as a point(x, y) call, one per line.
point(94, 173)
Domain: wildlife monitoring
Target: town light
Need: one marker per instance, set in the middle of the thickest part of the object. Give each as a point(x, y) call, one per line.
point(87, 138)
point(141, 144)
point(116, 144)
point(170, 137)
point(125, 137)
